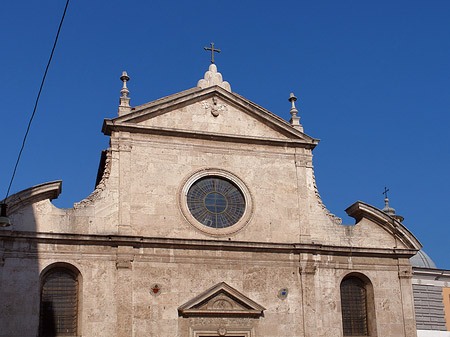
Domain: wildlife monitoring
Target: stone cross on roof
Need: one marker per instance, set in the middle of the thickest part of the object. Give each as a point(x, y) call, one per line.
point(212, 51)
point(385, 192)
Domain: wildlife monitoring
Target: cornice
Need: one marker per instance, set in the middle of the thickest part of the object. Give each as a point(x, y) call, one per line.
point(129, 122)
point(360, 210)
point(50, 190)
point(436, 273)
point(109, 126)
point(174, 243)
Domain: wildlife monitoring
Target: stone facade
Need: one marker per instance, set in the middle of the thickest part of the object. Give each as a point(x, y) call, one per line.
point(276, 272)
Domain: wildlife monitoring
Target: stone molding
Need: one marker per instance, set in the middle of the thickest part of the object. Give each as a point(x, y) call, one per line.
point(221, 326)
point(360, 210)
point(50, 190)
point(213, 244)
point(129, 122)
point(173, 132)
point(223, 148)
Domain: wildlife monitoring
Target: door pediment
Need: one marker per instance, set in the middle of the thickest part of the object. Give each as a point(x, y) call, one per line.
point(221, 300)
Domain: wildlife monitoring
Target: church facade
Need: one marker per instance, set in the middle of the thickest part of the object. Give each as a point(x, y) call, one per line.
point(206, 221)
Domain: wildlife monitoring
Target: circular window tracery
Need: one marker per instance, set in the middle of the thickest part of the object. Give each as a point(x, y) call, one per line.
point(215, 202)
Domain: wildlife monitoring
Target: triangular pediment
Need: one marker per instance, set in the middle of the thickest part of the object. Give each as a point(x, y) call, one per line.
point(221, 300)
point(211, 112)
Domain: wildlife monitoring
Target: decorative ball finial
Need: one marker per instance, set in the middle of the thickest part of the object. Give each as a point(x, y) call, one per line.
point(292, 99)
point(389, 210)
point(124, 102)
point(295, 120)
point(124, 78)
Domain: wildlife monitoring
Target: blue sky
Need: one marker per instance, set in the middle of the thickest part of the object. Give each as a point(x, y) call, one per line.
point(372, 79)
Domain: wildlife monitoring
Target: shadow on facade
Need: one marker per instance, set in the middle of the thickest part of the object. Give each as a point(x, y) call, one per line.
point(39, 296)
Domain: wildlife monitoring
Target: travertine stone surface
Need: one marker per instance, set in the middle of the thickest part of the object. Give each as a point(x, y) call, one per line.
point(116, 299)
point(130, 233)
point(198, 117)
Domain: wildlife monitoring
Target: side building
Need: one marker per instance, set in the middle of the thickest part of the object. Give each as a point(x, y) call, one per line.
point(431, 288)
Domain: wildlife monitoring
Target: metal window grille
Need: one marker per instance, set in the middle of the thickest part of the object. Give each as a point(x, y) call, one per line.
point(59, 304)
point(354, 307)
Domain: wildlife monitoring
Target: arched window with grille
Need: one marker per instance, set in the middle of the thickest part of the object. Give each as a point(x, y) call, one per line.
point(357, 306)
point(59, 302)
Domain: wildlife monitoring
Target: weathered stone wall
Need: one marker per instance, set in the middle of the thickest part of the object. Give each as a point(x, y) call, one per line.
point(153, 169)
point(116, 299)
point(130, 233)
point(19, 293)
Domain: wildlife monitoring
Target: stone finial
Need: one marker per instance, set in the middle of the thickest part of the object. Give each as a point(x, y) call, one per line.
point(295, 120)
point(124, 78)
point(124, 103)
point(212, 77)
point(389, 210)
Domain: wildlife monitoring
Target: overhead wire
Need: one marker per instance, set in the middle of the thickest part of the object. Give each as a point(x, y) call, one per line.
point(37, 100)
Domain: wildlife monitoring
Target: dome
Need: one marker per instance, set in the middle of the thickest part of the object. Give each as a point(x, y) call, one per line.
point(422, 260)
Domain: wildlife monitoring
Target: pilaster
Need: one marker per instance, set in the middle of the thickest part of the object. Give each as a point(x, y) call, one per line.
point(125, 182)
point(123, 291)
point(406, 291)
point(307, 272)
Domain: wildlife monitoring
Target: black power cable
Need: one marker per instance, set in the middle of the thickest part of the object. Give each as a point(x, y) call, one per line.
point(37, 100)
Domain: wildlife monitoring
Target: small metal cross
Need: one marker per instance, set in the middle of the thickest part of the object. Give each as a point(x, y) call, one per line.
point(212, 51)
point(385, 191)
